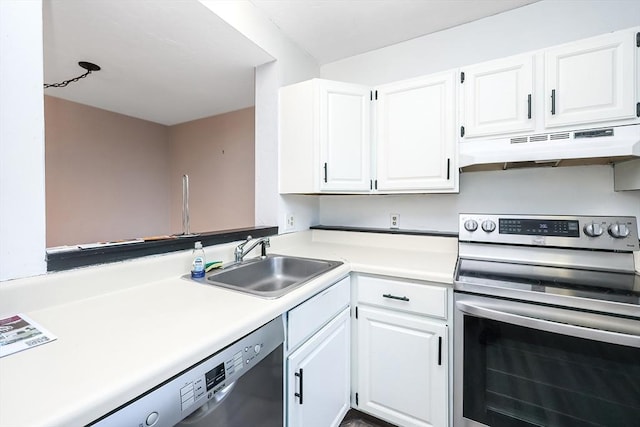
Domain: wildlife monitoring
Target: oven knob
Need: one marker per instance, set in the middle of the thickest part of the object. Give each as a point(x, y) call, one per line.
point(488, 226)
point(471, 225)
point(593, 230)
point(619, 231)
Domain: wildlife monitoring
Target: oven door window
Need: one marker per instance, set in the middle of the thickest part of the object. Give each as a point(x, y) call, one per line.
point(516, 376)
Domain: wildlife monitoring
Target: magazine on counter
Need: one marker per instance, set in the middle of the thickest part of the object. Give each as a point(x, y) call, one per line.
point(19, 333)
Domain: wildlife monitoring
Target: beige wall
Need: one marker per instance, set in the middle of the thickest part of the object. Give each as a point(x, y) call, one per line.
point(110, 176)
point(218, 155)
point(106, 175)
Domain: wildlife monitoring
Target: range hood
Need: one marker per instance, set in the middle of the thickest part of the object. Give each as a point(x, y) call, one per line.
point(566, 148)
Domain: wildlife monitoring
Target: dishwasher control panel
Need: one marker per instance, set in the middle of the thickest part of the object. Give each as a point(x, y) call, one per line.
point(210, 380)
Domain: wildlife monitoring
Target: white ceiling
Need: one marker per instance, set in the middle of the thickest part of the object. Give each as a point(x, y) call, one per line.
point(172, 61)
point(166, 61)
point(330, 30)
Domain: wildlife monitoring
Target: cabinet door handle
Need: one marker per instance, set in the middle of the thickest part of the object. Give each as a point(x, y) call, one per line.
point(325, 172)
point(553, 101)
point(395, 297)
point(529, 106)
point(439, 351)
point(299, 375)
point(448, 169)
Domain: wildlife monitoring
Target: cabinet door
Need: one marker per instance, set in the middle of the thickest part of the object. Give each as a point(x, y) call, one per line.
point(298, 156)
point(344, 132)
point(415, 135)
point(402, 368)
point(591, 80)
point(498, 97)
point(318, 377)
point(310, 316)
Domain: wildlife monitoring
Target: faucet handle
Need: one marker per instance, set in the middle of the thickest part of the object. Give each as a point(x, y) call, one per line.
point(241, 245)
point(265, 244)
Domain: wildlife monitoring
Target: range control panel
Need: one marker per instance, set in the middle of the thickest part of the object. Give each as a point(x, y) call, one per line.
point(539, 227)
point(579, 232)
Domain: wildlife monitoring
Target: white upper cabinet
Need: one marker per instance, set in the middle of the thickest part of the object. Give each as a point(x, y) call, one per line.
point(324, 137)
point(344, 128)
point(578, 85)
point(498, 96)
point(337, 138)
point(326, 144)
point(415, 135)
point(592, 80)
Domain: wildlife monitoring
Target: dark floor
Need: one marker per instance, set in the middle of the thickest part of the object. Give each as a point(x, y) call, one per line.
point(358, 419)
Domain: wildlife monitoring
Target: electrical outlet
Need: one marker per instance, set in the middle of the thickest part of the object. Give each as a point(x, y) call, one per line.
point(395, 221)
point(289, 222)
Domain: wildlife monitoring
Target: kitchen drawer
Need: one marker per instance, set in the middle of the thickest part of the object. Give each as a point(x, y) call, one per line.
point(416, 298)
point(310, 316)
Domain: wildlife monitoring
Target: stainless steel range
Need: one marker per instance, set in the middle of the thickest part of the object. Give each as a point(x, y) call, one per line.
point(547, 321)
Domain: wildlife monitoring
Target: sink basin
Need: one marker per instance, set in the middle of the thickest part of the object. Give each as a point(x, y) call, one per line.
point(270, 277)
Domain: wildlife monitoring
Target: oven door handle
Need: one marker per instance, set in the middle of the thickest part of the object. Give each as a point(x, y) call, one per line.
point(478, 310)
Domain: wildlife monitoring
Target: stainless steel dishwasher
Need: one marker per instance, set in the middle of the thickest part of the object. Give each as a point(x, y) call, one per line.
point(239, 386)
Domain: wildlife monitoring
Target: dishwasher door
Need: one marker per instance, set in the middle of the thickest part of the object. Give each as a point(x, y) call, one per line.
point(255, 399)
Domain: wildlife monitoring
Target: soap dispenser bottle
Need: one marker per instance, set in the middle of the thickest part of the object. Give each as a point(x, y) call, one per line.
point(198, 265)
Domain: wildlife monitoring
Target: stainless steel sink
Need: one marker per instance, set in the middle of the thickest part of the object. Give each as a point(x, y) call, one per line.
point(271, 276)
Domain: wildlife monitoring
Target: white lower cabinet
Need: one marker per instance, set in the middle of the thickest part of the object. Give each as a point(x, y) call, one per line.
point(401, 360)
point(396, 368)
point(318, 365)
point(319, 377)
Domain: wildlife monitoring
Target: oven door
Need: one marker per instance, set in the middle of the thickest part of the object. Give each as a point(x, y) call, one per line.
point(523, 364)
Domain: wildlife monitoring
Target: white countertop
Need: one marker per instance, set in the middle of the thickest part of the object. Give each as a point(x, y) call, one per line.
point(123, 328)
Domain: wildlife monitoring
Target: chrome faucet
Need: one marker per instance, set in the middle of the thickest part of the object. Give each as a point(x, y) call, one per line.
point(240, 252)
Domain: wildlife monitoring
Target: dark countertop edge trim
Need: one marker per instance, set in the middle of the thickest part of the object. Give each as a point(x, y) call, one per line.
point(74, 258)
point(386, 231)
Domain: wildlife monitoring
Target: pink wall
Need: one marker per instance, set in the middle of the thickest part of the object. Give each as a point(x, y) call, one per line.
point(106, 175)
point(111, 177)
point(218, 155)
